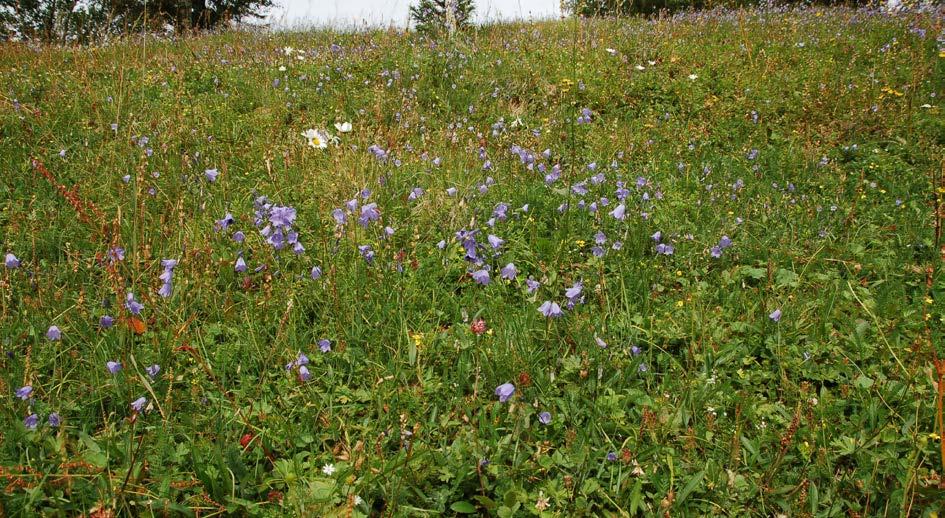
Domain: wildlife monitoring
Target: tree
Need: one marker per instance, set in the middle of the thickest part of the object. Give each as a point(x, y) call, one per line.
point(61, 21)
point(431, 15)
point(65, 21)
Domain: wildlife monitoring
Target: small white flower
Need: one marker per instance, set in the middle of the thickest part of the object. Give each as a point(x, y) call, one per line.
point(640, 67)
point(612, 52)
point(343, 127)
point(358, 500)
point(651, 62)
point(328, 469)
point(288, 50)
point(282, 68)
point(316, 139)
point(542, 503)
point(693, 77)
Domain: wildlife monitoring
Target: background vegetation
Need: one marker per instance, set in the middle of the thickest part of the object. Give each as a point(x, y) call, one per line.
point(754, 333)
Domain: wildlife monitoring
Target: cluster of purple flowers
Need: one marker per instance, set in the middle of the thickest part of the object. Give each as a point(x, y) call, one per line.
point(585, 117)
point(31, 421)
point(167, 277)
point(132, 305)
point(277, 225)
point(724, 242)
point(300, 363)
point(661, 247)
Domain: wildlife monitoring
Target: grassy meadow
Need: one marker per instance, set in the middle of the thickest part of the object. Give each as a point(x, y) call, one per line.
point(679, 267)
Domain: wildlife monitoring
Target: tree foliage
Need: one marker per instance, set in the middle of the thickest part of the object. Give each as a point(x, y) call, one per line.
point(64, 21)
point(430, 15)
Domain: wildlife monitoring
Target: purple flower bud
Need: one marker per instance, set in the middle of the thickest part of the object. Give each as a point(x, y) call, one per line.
point(10, 261)
point(113, 367)
point(481, 276)
point(509, 272)
point(153, 370)
point(24, 392)
point(544, 418)
point(775, 315)
point(53, 334)
point(532, 285)
point(505, 391)
point(550, 309)
point(54, 420)
point(619, 212)
point(495, 241)
point(138, 404)
point(133, 305)
point(31, 421)
point(106, 322)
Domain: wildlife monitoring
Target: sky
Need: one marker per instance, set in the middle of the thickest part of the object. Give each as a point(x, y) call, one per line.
point(355, 13)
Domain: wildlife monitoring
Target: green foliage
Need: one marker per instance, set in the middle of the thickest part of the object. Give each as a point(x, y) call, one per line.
point(431, 15)
point(59, 21)
point(812, 138)
point(652, 7)
point(90, 21)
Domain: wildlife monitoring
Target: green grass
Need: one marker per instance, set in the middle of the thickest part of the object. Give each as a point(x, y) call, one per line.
point(709, 406)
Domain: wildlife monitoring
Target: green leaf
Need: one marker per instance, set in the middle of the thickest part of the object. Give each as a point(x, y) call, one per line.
point(636, 497)
point(689, 487)
point(863, 382)
point(463, 507)
point(589, 486)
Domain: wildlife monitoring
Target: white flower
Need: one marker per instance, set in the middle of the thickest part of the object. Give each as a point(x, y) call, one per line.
point(612, 52)
point(343, 127)
point(639, 67)
point(693, 77)
point(328, 469)
point(282, 68)
point(542, 503)
point(358, 500)
point(651, 62)
point(288, 50)
point(316, 139)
